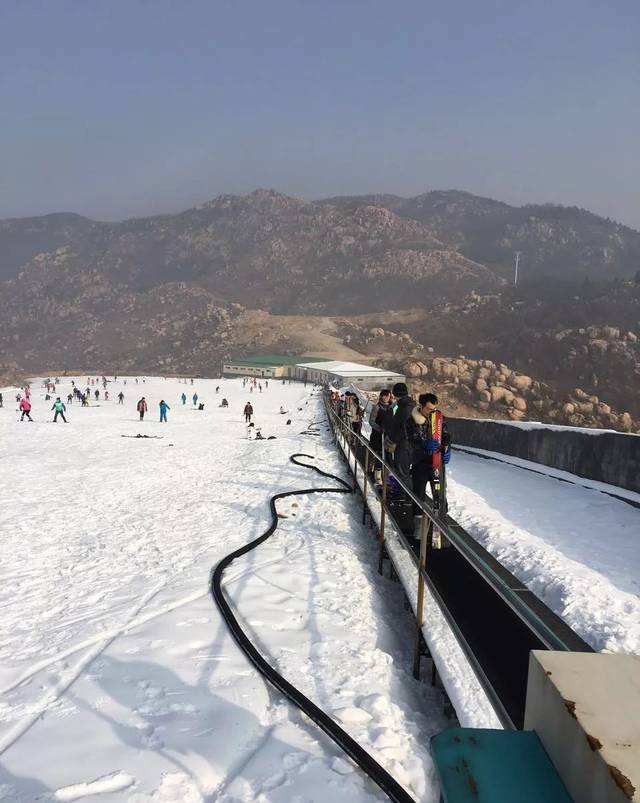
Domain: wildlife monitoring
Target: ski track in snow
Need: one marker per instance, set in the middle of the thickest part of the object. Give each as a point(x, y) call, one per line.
point(107, 547)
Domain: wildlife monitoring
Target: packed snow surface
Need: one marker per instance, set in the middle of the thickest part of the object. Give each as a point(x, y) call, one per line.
point(577, 548)
point(529, 425)
point(118, 679)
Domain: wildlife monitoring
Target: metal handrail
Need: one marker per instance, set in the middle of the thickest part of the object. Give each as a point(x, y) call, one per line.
point(543, 632)
point(423, 578)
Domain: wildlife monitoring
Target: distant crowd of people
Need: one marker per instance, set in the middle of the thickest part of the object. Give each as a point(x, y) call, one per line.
point(84, 396)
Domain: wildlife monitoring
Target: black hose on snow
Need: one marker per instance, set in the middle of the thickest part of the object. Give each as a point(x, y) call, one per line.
point(378, 774)
point(312, 429)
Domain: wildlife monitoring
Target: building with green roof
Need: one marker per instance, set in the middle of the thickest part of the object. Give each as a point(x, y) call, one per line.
point(266, 365)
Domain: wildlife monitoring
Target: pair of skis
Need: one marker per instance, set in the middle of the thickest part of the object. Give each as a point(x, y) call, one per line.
point(439, 480)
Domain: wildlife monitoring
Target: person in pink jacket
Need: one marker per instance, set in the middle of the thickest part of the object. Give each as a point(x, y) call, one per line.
point(25, 407)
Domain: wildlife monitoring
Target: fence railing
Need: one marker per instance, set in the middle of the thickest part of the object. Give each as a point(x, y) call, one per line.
point(360, 457)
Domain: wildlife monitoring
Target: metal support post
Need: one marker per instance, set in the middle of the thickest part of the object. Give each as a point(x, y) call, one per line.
point(364, 486)
point(424, 531)
point(383, 514)
point(355, 467)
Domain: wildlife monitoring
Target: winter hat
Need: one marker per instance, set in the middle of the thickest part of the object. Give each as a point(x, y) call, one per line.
point(400, 389)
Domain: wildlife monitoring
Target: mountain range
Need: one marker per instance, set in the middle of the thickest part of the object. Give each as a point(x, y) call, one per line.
point(170, 292)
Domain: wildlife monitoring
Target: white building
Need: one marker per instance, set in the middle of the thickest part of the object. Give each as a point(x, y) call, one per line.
point(313, 369)
point(343, 373)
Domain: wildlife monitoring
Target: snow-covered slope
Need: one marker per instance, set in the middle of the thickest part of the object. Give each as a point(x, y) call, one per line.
point(577, 548)
point(119, 680)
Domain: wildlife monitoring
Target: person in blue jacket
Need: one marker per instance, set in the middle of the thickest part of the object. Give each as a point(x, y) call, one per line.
point(163, 411)
point(184, 398)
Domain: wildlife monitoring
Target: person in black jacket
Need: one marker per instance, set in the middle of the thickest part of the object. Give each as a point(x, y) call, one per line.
point(376, 419)
point(424, 446)
point(395, 430)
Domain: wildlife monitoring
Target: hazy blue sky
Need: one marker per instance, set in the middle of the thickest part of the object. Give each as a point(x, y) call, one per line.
point(114, 108)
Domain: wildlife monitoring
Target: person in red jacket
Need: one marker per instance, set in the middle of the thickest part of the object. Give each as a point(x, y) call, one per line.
point(25, 407)
point(142, 408)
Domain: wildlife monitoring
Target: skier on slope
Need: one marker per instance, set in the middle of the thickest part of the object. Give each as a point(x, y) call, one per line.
point(25, 407)
point(60, 410)
point(195, 399)
point(163, 411)
point(248, 412)
point(184, 398)
point(1, 401)
point(142, 407)
point(121, 398)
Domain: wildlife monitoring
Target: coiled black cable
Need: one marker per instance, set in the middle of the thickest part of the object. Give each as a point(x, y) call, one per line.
point(367, 764)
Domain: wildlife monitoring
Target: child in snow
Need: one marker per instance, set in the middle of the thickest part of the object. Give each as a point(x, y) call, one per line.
point(163, 411)
point(25, 407)
point(142, 408)
point(60, 410)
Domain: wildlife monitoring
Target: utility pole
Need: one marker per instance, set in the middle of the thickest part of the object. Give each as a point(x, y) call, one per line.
point(515, 277)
